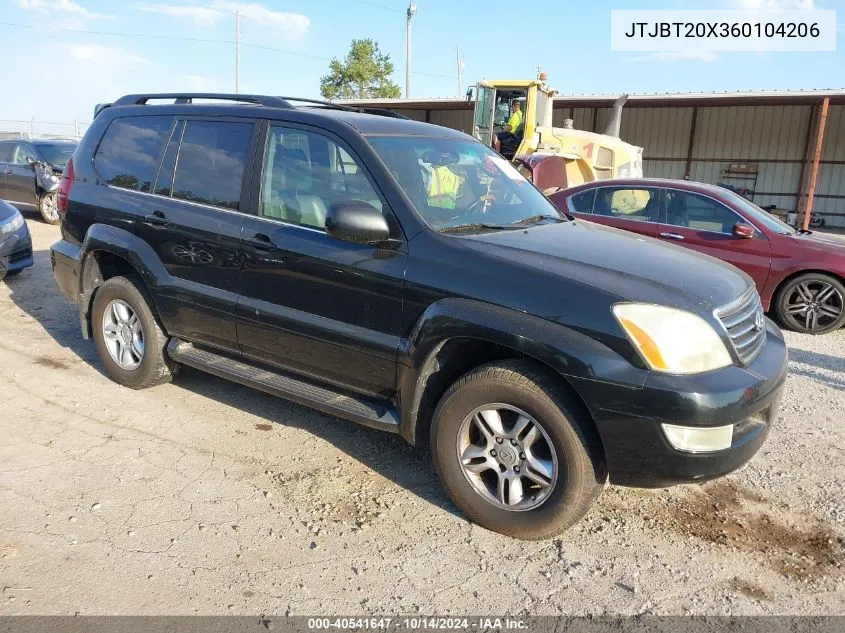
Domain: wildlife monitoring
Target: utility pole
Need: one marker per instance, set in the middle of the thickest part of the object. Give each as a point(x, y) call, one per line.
point(460, 65)
point(237, 51)
point(412, 11)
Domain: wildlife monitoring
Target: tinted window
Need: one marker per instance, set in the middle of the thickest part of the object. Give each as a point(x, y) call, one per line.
point(627, 203)
point(164, 184)
point(23, 153)
point(129, 153)
point(5, 152)
point(752, 210)
point(56, 154)
point(210, 166)
point(690, 210)
point(583, 202)
point(305, 173)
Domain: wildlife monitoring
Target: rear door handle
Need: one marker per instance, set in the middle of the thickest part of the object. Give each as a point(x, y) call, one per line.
point(672, 236)
point(260, 240)
point(156, 217)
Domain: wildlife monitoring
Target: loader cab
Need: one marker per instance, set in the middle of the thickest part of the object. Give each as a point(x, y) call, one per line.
point(493, 101)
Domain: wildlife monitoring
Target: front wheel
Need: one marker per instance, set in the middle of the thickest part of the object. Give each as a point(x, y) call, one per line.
point(813, 303)
point(516, 452)
point(49, 208)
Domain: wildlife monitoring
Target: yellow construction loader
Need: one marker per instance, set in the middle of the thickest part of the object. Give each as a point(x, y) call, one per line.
point(559, 156)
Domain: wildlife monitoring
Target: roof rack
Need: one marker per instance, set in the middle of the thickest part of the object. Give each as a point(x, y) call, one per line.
point(188, 97)
point(328, 104)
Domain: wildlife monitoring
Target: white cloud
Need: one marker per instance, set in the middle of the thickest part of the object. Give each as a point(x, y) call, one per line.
point(294, 23)
point(677, 56)
point(217, 10)
point(67, 7)
point(201, 16)
point(777, 5)
point(99, 56)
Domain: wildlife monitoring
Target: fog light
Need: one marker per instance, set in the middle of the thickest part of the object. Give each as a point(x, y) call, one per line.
point(693, 439)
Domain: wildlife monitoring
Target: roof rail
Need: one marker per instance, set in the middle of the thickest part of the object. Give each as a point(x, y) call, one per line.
point(188, 97)
point(328, 104)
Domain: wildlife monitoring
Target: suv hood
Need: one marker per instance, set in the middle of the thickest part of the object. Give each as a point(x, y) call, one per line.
point(629, 266)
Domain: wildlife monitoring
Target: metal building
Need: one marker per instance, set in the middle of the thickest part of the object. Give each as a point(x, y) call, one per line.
point(761, 143)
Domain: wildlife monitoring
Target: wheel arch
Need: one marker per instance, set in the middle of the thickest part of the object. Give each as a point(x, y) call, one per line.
point(797, 273)
point(455, 336)
point(109, 252)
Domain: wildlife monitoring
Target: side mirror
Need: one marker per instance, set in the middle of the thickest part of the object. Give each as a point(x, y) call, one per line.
point(356, 221)
point(745, 231)
point(30, 161)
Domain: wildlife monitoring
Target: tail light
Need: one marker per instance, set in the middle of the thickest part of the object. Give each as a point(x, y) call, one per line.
point(64, 188)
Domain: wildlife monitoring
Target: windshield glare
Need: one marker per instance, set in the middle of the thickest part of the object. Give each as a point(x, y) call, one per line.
point(57, 154)
point(455, 183)
point(771, 222)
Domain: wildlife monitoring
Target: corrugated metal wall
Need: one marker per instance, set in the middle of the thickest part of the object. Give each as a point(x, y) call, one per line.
point(773, 137)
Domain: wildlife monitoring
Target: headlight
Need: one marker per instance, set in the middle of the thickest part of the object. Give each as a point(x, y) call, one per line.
point(670, 340)
point(11, 224)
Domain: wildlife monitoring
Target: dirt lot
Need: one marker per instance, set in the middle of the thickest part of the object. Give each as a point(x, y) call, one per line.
point(206, 497)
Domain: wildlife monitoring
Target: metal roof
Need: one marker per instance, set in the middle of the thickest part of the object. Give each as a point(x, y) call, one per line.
point(667, 99)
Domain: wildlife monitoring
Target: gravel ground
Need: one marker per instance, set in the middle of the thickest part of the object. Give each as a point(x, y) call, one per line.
point(206, 497)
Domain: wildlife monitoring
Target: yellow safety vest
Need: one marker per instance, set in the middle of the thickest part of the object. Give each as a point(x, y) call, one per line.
point(443, 188)
point(515, 121)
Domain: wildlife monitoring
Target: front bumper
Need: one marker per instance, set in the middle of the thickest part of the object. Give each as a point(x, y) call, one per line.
point(16, 249)
point(629, 419)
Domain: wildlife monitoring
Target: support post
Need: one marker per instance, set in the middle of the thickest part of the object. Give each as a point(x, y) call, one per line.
point(691, 144)
point(237, 51)
point(814, 169)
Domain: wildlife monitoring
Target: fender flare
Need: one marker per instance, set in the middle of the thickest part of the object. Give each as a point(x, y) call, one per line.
point(566, 351)
point(121, 243)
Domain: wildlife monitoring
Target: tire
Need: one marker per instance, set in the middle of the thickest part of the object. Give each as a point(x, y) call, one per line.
point(524, 389)
point(147, 368)
point(48, 209)
point(12, 273)
point(823, 299)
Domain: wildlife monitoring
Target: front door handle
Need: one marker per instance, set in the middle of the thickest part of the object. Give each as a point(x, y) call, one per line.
point(156, 217)
point(672, 236)
point(260, 240)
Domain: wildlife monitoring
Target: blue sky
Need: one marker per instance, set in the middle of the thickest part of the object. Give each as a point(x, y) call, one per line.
point(58, 75)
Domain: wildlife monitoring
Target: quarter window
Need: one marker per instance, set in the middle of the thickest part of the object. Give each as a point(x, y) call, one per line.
point(129, 153)
point(305, 173)
point(211, 162)
point(693, 211)
point(627, 203)
point(583, 202)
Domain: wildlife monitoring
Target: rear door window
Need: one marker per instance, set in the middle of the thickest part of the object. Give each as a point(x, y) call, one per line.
point(6, 152)
point(130, 151)
point(211, 163)
point(627, 203)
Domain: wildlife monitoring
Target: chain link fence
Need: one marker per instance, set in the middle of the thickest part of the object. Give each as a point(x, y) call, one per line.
point(16, 129)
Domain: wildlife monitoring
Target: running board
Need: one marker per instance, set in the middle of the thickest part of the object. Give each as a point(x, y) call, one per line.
point(367, 411)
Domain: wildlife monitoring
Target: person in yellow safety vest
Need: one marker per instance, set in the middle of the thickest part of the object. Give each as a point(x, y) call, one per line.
point(511, 127)
point(443, 187)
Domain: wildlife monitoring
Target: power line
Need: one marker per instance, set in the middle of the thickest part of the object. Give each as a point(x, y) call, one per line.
point(380, 6)
point(186, 39)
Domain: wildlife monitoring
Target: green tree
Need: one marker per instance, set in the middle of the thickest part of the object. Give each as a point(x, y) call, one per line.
point(363, 74)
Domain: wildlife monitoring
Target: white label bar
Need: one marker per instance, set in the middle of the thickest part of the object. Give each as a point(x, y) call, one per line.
point(694, 30)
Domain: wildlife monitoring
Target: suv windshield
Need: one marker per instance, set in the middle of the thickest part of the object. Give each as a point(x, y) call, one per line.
point(457, 183)
point(771, 222)
point(56, 154)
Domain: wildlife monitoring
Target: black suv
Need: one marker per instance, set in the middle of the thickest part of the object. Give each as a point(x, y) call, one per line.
point(29, 173)
point(403, 276)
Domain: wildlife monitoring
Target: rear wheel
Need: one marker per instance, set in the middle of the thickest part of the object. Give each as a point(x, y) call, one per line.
point(515, 452)
point(813, 303)
point(130, 342)
point(48, 207)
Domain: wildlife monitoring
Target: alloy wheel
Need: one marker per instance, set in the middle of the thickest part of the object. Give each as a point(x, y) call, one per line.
point(507, 457)
point(123, 335)
point(813, 305)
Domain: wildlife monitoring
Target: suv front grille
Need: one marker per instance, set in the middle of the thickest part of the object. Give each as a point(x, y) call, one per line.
point(746, 326)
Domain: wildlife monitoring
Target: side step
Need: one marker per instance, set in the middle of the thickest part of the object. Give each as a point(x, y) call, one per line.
point(367, 411)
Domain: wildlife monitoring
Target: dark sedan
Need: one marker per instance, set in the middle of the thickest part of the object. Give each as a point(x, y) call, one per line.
point(15, 242)
point(30, 172)
point(800, 275)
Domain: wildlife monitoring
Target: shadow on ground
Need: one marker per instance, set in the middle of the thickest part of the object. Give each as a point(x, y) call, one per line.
point(34, 292)
point(810, 362)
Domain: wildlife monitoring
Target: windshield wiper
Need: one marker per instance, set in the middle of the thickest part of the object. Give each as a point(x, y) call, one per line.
point(475, 227)
point(537, 218)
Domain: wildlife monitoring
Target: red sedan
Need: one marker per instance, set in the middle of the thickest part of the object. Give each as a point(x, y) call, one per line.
point(800, 275)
